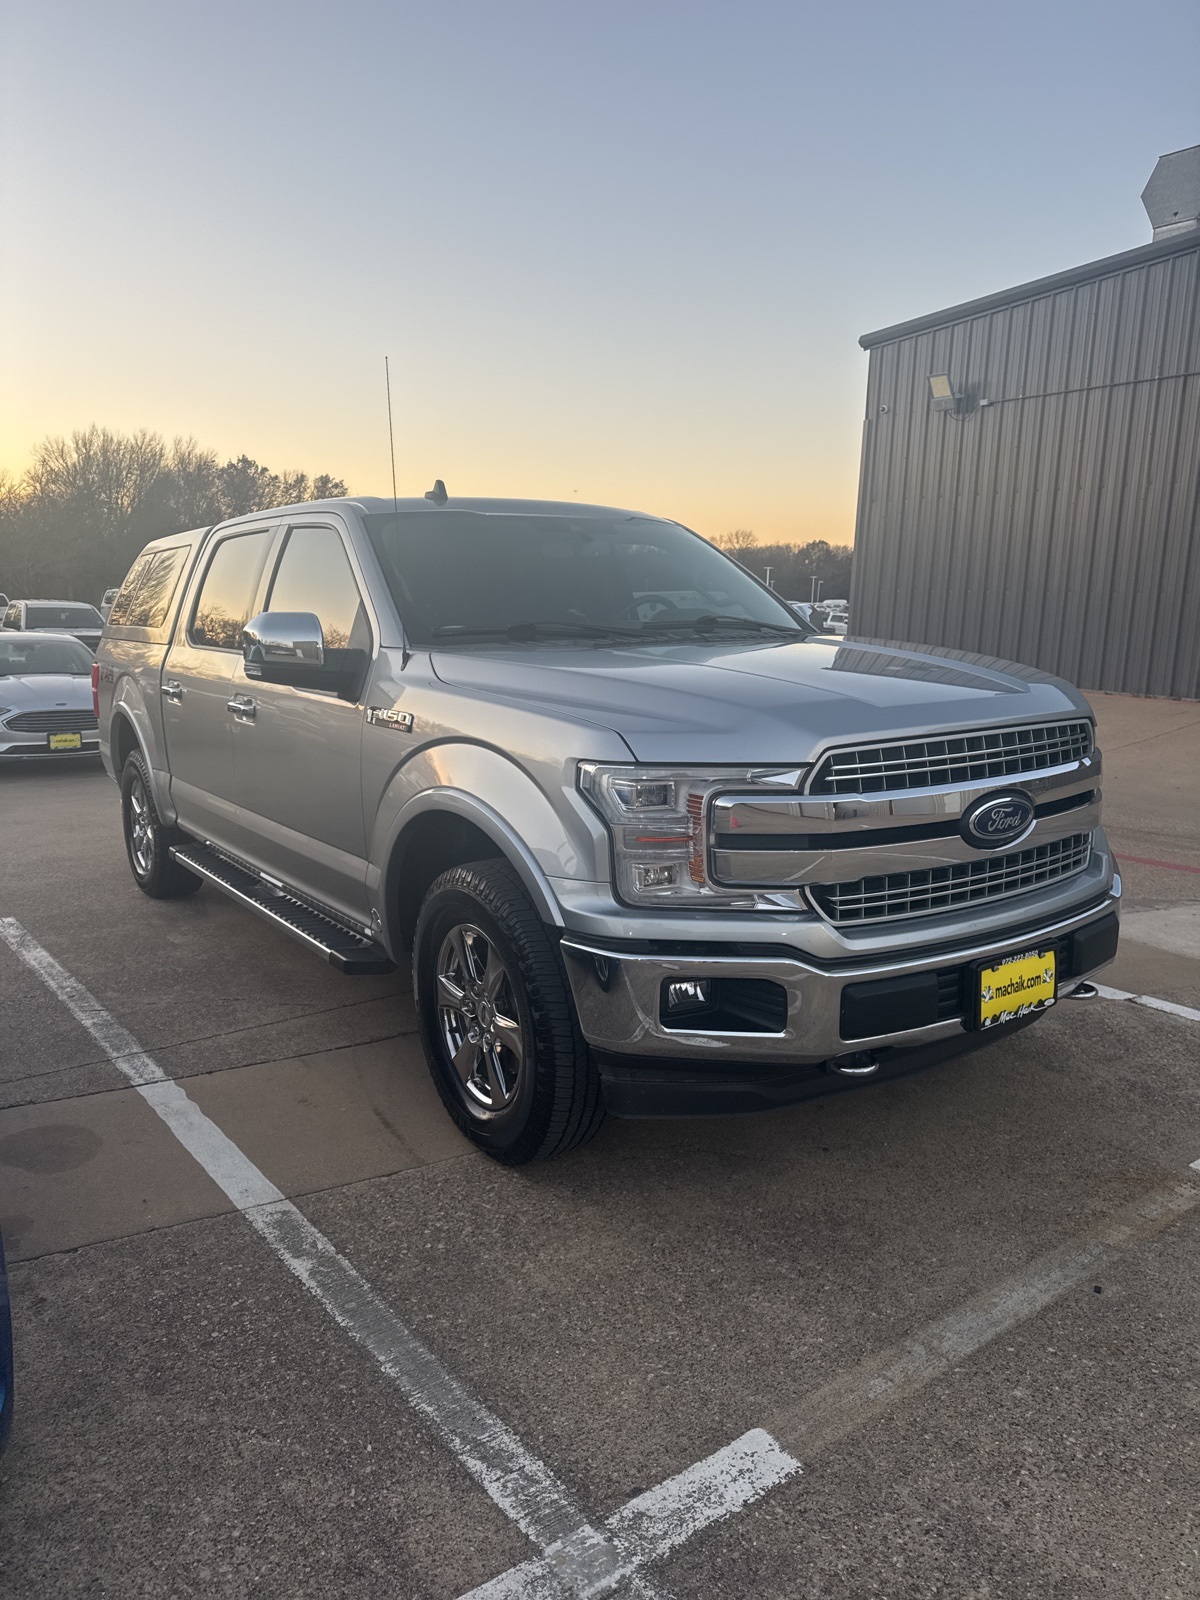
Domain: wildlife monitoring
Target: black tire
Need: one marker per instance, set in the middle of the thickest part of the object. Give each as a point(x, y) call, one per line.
point(516, 1110)
point(148, 839)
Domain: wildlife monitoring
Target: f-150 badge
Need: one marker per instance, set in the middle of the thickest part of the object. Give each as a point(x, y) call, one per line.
point(382, 717)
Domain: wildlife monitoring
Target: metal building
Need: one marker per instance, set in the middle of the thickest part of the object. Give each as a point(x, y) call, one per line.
point(1030, 482)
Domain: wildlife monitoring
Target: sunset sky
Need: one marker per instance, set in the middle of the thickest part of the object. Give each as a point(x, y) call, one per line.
point(618, 249)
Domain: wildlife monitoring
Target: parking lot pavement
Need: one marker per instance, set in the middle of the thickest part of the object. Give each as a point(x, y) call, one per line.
point(961, 1302)
point(1151, 759)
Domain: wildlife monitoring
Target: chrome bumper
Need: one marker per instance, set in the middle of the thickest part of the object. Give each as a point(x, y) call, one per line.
point(617, 992)
point(33, 746)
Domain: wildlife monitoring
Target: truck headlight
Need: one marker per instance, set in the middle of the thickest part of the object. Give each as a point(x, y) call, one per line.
point(658, 821)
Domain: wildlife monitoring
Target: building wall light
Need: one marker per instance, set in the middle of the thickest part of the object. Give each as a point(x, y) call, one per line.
point(941, 392)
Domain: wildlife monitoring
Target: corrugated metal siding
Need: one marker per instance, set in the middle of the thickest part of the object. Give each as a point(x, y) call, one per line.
point(1057, 525)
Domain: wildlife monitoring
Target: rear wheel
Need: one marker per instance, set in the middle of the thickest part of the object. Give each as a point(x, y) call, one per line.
point(148, 839)
point(497, 1020)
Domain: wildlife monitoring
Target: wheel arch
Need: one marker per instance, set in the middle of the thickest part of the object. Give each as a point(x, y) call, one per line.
point(446, 828)
point(123, 740)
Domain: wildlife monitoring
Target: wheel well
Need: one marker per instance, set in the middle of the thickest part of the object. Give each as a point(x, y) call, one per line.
point(429, 846)
point(122, 743)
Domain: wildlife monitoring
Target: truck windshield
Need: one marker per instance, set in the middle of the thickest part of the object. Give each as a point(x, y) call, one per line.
point(25, 657)
point(472, 576)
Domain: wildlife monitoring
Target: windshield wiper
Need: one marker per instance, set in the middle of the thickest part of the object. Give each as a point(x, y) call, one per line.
point(710, 621)
point(519, 632)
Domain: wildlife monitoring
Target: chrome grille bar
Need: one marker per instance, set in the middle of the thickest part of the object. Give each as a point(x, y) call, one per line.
point(919, 894)
point(956, 758)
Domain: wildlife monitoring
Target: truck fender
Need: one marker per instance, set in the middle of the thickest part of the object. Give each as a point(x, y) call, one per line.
point(450, 779)
point(127, 706)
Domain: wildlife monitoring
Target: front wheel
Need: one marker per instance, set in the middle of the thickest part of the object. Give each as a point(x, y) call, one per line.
point(148, 839)
point(497, 1020)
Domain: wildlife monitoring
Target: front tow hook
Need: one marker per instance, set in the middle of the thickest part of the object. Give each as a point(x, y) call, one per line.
point(860, 1064)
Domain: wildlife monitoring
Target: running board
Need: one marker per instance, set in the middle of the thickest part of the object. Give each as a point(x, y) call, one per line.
point(342, 947)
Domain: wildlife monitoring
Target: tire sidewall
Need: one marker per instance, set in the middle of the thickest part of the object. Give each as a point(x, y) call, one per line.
point(166, 879)
point(498, 1132)
point(134, 772)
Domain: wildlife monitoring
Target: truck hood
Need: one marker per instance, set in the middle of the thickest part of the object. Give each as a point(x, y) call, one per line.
point(761, 701)
point(46, 691)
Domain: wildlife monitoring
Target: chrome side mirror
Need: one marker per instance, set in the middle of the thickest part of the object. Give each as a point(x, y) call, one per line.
point(288, 647)
point(276, 639)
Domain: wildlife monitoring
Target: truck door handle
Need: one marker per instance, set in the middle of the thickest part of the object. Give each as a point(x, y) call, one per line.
point(242, 706)
point(172, 690)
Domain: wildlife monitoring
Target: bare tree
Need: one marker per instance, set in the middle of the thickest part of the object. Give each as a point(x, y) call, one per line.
point(109, 474)
point(738, 540)
point(187, 493)
point(244, 486)
point(73, 524)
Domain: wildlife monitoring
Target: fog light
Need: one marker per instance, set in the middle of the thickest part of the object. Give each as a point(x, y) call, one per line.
point(656, 877)
point(688, 992)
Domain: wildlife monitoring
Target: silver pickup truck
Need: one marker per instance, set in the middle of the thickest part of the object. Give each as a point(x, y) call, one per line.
point(652, 846)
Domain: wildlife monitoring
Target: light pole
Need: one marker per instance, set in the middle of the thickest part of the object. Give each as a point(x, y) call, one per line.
point(768, 578)
point(817, 585)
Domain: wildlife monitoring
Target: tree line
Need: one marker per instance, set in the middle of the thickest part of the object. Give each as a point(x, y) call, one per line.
point(72, 525)
point(791, 568)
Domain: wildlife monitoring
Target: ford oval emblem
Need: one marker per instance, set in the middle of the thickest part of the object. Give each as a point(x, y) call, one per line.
point(997, 820)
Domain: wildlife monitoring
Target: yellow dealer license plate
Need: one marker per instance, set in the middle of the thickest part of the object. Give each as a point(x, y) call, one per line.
point(1016, 987)
point(66, 741)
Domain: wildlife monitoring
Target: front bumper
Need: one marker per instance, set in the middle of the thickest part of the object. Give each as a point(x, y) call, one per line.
point(651, 1068)
point(34, 746)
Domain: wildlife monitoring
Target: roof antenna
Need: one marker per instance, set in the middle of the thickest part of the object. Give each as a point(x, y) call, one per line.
point(406, 653)
point(438, 493)
point(387, 378)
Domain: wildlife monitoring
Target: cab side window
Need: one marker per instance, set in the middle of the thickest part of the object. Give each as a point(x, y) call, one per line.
point(12, 617)
point(227, 591)
point(314, 575)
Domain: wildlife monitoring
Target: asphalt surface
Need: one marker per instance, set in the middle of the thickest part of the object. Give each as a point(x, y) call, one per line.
point(964, 1302)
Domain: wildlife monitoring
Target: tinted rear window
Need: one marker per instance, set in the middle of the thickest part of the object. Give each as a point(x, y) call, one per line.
point(146, 595)
point(43, 616)
point(124, 600)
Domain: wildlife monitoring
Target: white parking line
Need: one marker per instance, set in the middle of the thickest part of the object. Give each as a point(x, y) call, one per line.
point(650, 1526)
point(856, 1396)
point(1168, 1006)
point(577, 1559)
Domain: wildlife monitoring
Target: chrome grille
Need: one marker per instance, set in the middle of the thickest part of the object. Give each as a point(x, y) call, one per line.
point(52, 722)
point(919, 894)
point(957, 758)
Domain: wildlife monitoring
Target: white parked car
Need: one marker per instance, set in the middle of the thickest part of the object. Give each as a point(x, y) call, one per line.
point(818, 617)
point(46, 706)
point(81, 621)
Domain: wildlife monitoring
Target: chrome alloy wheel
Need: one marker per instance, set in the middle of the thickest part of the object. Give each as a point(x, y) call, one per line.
point(141, 833)
point(479, 1019)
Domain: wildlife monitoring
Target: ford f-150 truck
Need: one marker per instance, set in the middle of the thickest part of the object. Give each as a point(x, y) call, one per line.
point(652, 846)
